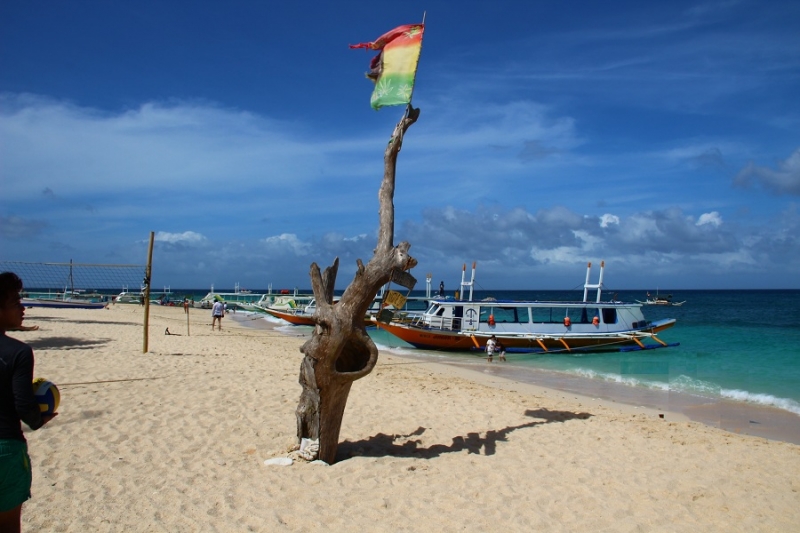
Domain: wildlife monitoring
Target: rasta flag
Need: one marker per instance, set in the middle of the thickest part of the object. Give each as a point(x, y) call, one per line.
point(394, 68)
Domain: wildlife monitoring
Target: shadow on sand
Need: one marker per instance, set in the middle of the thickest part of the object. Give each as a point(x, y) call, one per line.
point(84, 321)
point(382, 445)
point(65, 343)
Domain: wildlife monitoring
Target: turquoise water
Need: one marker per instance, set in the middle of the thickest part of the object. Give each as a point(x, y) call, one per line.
point(737, 345)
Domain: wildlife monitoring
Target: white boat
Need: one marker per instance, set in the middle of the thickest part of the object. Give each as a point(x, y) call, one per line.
point(533, 326)
point(127, 297)
point(65, 303)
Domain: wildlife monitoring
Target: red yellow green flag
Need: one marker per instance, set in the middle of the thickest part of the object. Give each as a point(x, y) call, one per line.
point(393, 70)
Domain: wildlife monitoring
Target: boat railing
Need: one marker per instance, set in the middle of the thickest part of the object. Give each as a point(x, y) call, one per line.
point(439, 322)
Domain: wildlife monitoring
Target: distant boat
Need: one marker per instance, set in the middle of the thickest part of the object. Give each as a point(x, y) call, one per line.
point(67, 303)
point(70, 298)
point(660, 300)
point(126, 297)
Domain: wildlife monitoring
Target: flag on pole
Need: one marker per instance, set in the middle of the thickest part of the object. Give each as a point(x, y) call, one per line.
point(393, 70)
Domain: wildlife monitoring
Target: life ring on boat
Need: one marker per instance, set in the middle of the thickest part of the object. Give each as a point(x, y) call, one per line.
point(596, 321)
point(491, 320)
point(567, 321)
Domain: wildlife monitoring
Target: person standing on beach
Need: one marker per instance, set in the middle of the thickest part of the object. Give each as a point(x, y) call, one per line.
point(491, 344)
point(217, 312)
point(17, 405)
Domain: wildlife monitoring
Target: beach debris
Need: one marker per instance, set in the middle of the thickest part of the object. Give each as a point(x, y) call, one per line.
point(279, 461)
point(309, 449)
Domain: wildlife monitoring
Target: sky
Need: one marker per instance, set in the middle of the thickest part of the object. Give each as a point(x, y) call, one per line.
point(661, 137)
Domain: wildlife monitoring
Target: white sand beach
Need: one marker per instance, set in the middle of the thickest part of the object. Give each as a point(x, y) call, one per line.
point(175, 440)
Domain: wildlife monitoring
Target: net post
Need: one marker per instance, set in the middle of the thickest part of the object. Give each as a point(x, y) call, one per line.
point(147, 272)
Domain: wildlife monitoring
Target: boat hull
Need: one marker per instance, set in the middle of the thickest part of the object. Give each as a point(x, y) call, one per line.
point(293, 319)
point(437, 339)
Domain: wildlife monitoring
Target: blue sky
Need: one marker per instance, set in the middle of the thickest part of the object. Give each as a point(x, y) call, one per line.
point(661, 137)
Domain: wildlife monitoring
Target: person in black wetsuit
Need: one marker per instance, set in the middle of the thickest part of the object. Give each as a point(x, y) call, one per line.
point(17, 405)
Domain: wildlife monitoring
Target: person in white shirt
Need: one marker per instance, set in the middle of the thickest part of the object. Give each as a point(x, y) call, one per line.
point(491, 344)
point(217, 312)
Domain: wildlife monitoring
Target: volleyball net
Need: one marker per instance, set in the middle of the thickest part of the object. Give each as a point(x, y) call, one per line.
point(77, 277)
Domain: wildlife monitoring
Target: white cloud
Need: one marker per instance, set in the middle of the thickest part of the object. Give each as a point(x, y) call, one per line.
point(713, 218)
point(288, 242)
point(177, 146)
point(187, 237)
point(607, 220)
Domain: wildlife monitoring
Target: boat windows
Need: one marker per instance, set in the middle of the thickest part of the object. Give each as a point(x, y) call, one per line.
point(543, 315)
point(505, 315)
point(583, 315)
point(609, 315)
point(556, 315)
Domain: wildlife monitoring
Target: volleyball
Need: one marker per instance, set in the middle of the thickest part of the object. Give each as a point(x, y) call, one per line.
point(47, 395)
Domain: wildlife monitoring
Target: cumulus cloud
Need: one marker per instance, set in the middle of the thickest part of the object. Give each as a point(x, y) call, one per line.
point(784, 179)
point(187, 237)
point(608, 219)
point(561, 235)
point(287, 242)
point(712, 218)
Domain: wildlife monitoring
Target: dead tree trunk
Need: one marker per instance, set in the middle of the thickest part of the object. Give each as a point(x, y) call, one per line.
point(340, 351)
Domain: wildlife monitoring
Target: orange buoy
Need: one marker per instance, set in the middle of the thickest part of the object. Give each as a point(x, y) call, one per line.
point(596, 321)
point(491, 320)
point(567, 321)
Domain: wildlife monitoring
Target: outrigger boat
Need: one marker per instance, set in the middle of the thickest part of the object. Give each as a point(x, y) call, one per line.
point(532, 326)
point(66, 303)
point(660, 300)
point(301, 315)
point(296, 315)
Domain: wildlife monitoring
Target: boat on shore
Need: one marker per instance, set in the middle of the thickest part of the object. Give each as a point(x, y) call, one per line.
point(64, 303)
point(297, 316)
point(532, 326)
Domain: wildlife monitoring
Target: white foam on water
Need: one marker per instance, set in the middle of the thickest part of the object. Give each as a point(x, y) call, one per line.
point(762, 399)
point(690, 385)
point(623, 380)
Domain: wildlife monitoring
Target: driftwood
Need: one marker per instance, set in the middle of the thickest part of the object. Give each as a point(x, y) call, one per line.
point(340, 351)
